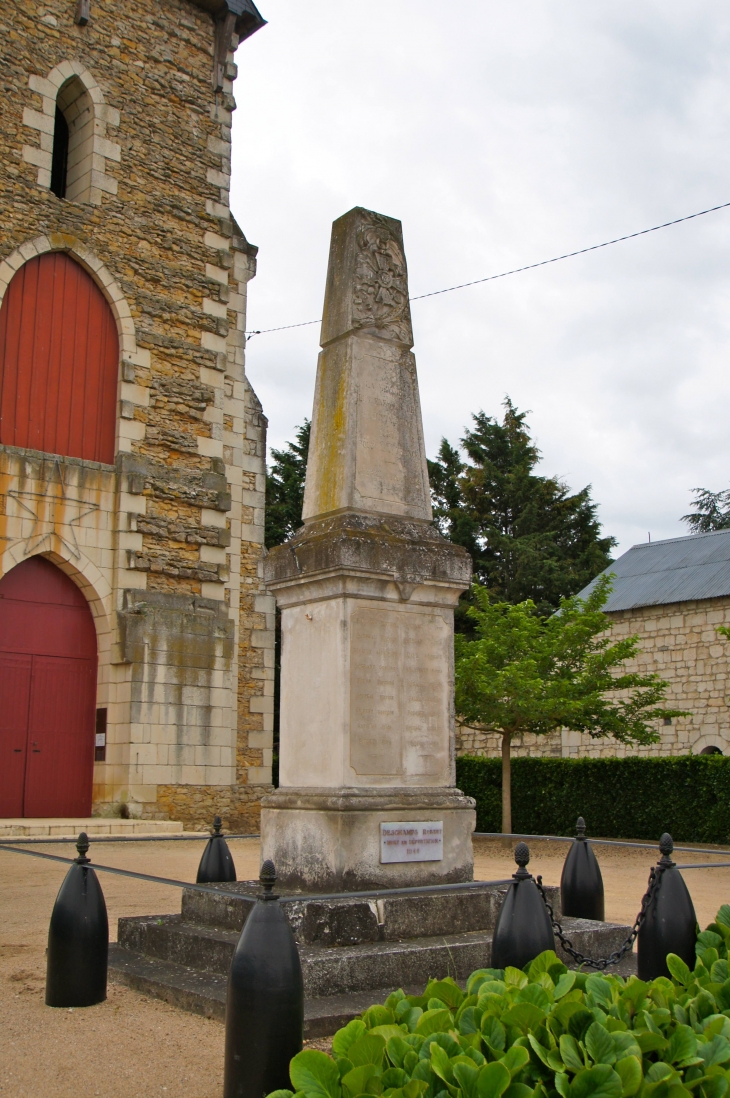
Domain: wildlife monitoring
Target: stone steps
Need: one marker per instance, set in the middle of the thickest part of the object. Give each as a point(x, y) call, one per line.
point(94, 826)
point(354, 950)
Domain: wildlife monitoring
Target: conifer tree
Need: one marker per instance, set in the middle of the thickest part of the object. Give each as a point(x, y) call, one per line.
point(285, 488)
point(529, 536)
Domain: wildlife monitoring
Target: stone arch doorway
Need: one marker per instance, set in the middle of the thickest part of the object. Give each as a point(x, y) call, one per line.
point(48, 690)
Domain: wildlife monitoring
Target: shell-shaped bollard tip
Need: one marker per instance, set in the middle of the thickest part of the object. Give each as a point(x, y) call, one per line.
point(666, 844)
point(522, 854)
point(217, 825)
point(580, 828)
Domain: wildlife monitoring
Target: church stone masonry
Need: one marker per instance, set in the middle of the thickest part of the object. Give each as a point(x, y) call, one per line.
point(166, 542)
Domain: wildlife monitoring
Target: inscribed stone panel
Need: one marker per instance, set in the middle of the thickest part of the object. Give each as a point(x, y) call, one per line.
point(399, 700)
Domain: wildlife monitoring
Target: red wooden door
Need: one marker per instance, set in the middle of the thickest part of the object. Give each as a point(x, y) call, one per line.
point(59, 359)
point(47, 692)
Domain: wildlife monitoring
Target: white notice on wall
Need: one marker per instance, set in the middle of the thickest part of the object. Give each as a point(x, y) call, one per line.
point(422, 841)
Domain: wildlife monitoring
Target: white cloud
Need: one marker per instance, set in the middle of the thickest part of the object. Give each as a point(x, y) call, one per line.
point(501, 134)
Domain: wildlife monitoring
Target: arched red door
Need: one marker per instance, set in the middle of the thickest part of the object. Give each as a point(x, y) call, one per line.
point(59, 361)
point(47, 693)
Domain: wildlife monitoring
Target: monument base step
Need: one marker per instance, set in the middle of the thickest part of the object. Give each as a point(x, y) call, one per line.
point(205, 993)
point(94, 826)
point(354, 949)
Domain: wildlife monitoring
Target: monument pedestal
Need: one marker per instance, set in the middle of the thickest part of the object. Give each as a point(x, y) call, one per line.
point(329, 840)
point(367, 590)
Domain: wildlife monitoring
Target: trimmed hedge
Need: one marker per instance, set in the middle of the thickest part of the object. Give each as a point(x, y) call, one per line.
point(632, 798)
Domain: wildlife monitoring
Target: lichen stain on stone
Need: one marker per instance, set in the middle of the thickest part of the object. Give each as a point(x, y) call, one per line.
point(329, 454)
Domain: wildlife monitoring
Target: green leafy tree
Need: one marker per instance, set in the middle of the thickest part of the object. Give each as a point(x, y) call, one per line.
point(528, 673)
point(285, 488)
point(711, 511)
point(529, 536)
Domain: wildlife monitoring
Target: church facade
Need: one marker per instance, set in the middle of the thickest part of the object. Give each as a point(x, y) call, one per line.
point(136, 636)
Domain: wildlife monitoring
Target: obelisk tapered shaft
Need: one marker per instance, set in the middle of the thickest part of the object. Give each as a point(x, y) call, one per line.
point(366, 590)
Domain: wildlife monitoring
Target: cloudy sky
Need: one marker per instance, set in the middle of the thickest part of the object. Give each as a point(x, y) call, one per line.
point(501, 134)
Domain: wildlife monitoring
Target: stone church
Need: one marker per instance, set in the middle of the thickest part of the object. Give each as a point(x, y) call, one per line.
point(136, 637)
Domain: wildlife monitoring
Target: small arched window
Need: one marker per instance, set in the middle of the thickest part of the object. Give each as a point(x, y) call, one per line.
point(73, 142)
point(59, 361)
point(59, 164)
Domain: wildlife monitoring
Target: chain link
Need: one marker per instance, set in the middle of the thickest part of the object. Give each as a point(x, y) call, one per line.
point(618, 954)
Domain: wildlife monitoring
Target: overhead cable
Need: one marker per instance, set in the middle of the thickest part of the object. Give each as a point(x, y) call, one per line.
point(520, 270)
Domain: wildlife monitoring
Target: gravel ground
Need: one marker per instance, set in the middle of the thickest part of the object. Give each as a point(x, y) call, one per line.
point(134, 1047)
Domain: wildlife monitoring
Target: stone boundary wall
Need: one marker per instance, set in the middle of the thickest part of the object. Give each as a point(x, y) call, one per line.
point(680, 643)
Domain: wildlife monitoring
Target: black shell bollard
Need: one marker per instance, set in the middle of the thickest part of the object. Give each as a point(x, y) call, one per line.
point(523, 927)
point(78, 938)
point(581, 884)
point(216, 864)
point(265, 1003)
point(670, 925)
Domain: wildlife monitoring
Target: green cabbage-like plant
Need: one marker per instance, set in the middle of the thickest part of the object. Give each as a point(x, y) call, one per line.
point(544, 1032)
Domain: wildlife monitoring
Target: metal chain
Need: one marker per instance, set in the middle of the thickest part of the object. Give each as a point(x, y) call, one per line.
point(618, 954)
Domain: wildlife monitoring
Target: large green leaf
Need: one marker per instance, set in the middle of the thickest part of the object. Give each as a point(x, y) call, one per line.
point(600, 1081)
point(494, 1032)
point(515, 977)
point(599, 1044)
point(493, 1080)
point(679, 970)
point(481, 976)
point(525, 1016)
point(570, 1053)
point(281, 1094)
point(441, 1065)
point(716, 1051)
point(378, 1016)
point(435, 1021)
point(682, 1046)
point(562, 1084)
point(629, 1072)
point(448, 991)
point(534, 994)
point(600, 989)
point(369, 1049)
point(515, 1059)
point(540, 1051)
point(397, 1050)
point(723, 916)
point(564, 984)
point(466, 1077)
point(355, 1082)
point(543, 963)
point(316, 1074)
point(579, 1023)
point(708, 940)
point(352, 1032)
point(386, 1032)
point(649, 1041)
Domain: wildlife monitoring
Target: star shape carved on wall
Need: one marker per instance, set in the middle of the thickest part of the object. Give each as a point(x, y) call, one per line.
point(36, 504)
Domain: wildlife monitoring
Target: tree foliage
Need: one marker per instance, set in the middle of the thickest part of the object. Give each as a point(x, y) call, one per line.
point(711, 511)
point(529, 536)
point(285, 488)
point(528, 673)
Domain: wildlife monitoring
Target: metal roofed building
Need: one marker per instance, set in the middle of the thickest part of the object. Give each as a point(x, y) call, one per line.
point(673, 594)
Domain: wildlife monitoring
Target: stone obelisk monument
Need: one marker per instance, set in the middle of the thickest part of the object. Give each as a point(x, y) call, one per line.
point(366, 590)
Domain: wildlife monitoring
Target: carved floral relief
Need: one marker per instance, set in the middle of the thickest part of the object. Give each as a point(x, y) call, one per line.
point(381, 283)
